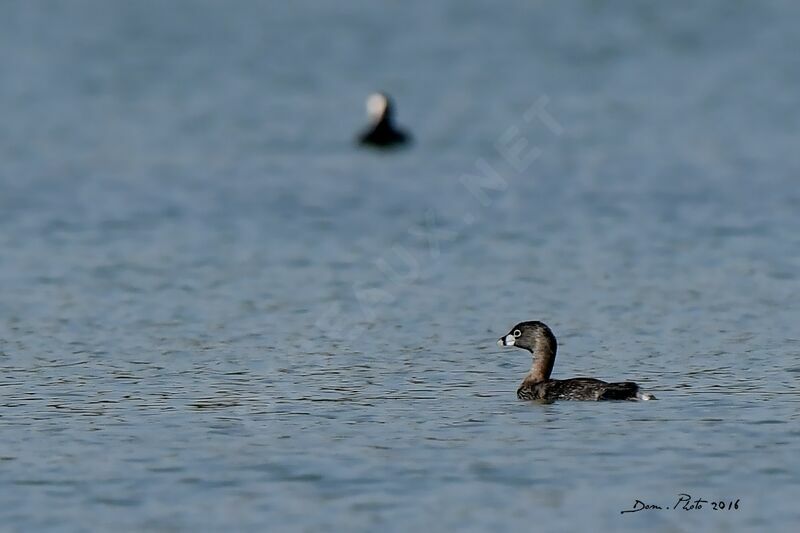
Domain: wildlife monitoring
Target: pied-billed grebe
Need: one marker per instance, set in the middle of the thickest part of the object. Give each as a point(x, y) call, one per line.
point(382, 132)
point(537, 338)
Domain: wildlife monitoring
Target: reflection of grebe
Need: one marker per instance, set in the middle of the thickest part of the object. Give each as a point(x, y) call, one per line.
point(382, 132)
point(537, 338)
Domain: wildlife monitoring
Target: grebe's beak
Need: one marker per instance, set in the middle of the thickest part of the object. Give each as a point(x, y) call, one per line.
point(508, 340)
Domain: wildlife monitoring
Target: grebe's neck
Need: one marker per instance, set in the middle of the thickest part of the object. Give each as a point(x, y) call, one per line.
point(544, 357)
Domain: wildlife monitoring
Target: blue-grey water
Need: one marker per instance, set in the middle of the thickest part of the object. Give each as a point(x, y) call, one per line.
point(216, 312)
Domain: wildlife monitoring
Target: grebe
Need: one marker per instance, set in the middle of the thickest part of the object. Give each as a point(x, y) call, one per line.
point(537, 338)
point(382, 132)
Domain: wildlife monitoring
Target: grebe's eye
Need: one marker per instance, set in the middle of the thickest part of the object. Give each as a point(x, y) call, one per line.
point(517, 333)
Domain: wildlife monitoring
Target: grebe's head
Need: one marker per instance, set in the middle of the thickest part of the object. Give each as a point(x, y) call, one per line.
point(529, 336)
point(379, 107)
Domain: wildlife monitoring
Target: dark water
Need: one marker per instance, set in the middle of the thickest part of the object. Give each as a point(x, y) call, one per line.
point(215, 312)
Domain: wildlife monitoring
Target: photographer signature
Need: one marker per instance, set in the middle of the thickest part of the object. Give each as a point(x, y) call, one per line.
point(686, 503)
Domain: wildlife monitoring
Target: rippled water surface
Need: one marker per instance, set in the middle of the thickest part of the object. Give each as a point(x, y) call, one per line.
point(217, 312)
